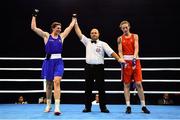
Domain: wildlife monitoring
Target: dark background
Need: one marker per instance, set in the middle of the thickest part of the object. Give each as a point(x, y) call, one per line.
point(157, 23)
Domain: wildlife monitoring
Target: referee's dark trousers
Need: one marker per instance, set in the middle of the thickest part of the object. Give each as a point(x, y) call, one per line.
point(94, 72)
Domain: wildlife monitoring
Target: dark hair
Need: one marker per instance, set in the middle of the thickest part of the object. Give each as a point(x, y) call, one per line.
point(54, 24)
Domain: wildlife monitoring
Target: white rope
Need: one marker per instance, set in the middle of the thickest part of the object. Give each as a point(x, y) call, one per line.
point(21, 80)
point(107, 69)
point(141, 58)
point(75, 91)
point(146, 69)
point(21, 91)
point(159, 58)
point(83, 80)
point(18, 58)
point(31, 69)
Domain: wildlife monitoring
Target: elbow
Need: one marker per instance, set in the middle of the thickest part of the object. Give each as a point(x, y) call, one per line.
point(80, 36)
point(33, 27)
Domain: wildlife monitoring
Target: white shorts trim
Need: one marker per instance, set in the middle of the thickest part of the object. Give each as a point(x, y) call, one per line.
point(55, 56)
point(128, 57)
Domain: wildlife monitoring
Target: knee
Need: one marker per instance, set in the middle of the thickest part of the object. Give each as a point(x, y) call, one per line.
point(138, 85)
point(49, 84)
point(56, 82)
point(126, 86)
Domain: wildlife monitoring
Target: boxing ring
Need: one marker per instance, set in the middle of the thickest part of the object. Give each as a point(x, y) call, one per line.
point(112, 78)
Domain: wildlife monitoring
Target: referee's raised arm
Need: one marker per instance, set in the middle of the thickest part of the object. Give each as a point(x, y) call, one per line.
point(78, 30)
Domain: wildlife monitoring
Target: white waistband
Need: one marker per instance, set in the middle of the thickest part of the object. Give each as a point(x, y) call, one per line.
point(55, 56)
point(128, 57)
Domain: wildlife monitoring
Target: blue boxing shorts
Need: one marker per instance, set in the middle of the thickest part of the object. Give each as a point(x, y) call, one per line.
point(52, 68)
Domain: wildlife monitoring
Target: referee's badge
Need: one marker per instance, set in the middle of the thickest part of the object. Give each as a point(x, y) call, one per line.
point(98, 50)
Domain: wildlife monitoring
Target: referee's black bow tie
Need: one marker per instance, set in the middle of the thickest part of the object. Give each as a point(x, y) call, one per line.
point(93, 41)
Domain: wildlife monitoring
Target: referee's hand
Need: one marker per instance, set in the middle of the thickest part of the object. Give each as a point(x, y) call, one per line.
point(121, 60)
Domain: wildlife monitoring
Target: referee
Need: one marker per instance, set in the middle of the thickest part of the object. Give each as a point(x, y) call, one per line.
point(94, 69)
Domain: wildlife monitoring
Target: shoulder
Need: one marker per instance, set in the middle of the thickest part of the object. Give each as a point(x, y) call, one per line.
point(60, 37)
point(135, 36)
point(84, 37)
point(85, 40)
point(102, 42)
point(46, 35)
point(119, 39)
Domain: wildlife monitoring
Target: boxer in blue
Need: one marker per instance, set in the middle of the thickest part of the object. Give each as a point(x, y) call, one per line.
point(53, 66)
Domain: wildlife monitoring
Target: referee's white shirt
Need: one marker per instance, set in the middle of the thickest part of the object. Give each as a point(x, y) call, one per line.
point(95, 52)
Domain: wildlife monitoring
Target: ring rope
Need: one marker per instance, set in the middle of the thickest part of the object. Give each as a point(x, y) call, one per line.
point(75, 91)
point(107, 69)
point(141, 58)
point(83, 80)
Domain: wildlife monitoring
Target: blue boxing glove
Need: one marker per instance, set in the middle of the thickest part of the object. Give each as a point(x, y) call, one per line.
point(123, 64)
point(134, 63)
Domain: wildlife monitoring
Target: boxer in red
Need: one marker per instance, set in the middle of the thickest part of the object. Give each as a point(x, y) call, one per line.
point(128, 47)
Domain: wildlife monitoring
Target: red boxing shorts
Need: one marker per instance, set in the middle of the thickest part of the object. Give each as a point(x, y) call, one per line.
point(129, 74)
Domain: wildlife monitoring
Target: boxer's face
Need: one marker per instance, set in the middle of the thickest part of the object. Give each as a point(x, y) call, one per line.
point(125, 28)
point(57, 29)
point(94, 34)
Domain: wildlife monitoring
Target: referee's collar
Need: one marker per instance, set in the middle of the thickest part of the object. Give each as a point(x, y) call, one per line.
point(95, 40)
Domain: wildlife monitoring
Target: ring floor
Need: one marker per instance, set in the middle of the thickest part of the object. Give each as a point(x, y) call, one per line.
point(74, 112)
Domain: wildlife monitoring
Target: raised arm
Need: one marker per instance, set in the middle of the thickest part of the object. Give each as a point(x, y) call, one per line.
point(69, 28)
point(38, 31)
point(78, 30)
